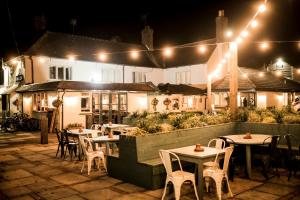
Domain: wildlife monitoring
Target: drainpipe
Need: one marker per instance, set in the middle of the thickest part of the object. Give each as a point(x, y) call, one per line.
point(123, 74)
point(32, 70)
point(62, 110)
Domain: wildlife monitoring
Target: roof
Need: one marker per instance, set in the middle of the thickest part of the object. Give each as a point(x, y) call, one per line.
point(180, 89)
point(9, 90)
point(59, 45)
point(79, 85)
point(253, 82)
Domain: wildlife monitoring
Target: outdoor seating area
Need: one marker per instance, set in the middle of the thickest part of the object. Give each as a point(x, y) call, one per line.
point(30, 170)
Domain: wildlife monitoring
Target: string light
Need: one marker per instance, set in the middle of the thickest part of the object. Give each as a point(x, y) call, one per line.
point(239, 40)
point(168, 52)
point(102, 56)
point(134, 54)
point(264, 45)
point(41, 59)
point(245, 34)
point(15, 61)
point(254, 24)
point(229, 34)
point(261, 74)
point(245, 75)
point(202, 49)
point(71, 57)
point(262, 8)
point(298, 71)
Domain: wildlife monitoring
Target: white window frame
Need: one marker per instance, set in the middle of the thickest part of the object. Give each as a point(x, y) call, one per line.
point(139, 77)
point(64, 73)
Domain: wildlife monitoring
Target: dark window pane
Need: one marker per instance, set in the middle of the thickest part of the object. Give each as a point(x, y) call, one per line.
point(52, 73)
point(60, 71)
point(68, 73)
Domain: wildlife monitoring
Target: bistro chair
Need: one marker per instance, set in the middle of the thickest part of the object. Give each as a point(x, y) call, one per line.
point(218, 174)
point(89, 154)
point(271, 157)
point(61, 142)
point(293, 157)
point(71, 145)
point(177, 178)
point(218, 144)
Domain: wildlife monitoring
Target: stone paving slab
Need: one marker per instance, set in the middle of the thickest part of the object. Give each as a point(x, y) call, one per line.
point(275, 189)
point(252, 194)
point(57, 193)
point(15, 174)
point(69, 178)
point(102, 194)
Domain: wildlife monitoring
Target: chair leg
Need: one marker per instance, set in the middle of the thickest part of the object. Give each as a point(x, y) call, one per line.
point(82, 165)
point(206, 184)
point(165, 189)
point(195, 189)
point(218, 182)
point(177, 188)
point(57, 150)
point(228, 186)
point(104, 162)
point(89, 166)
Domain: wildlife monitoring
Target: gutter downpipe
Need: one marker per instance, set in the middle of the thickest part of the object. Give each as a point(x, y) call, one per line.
point(62, 110)
point(123, 73)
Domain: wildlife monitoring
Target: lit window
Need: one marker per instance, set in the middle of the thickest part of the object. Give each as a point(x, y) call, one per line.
point(85, 102)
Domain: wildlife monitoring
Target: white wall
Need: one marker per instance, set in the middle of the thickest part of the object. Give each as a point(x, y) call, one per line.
point(269, 99)
point(137, 102)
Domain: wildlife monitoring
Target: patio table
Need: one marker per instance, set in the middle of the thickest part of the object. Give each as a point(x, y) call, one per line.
point(106, 140)
point(256, 139)
point(188, 154)
point(115, 126)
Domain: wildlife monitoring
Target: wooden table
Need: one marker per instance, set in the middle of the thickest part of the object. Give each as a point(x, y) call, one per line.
point(257, 139)
point(106, 140)
point(188, 154)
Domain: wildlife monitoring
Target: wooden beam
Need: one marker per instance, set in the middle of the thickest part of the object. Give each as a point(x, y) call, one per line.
point(233, 82)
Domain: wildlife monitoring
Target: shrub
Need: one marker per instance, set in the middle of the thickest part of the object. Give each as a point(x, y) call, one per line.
point(192, 122)
point(278, 116)
point(144, 114)
point(166, 127)
point(254, 117)
point(177, 121)
point(268, 120)
point(291, 119)
point(243, 115)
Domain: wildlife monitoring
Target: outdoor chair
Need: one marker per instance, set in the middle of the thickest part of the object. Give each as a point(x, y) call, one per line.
point(293, 157)
point(61, 142)
point(178, 177)
point(218, 144)
point(271, 158)
point(233, 158)
point(71, 145)
point(89, 154)
point(218, 174)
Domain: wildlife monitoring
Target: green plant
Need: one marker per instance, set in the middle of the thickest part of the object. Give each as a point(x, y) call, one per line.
point(166, 127)
point(177, 121)
point(278, 116)
point(291, 119)
point(243, 115)
point(268, 120)
point(254, 116)
point(144, 114)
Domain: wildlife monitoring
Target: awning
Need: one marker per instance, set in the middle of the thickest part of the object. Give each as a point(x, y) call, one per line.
point(79, 86)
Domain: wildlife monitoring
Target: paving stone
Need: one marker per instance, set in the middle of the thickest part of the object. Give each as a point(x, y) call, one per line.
point(283, 180)
point(91, 186)
point(15, 174)
point(7, 158)
point(155, 193)
point(25, 197)
point(101, 194)
point(252, 194)
point(38, 187)
point(35, 157)
point(137, 196)
point(241, 185)
point(129, 188)
point(70, 178)
point(21, 182)
point(17, 191)
point(275, 189)
point(57, 193)
point(74, 197)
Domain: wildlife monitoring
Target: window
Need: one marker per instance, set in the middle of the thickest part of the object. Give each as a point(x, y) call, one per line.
point(60, 71)
point(40, 101)
point(52, 72)
point(68, 73)
point(85, 102)
point(139, 77)
point(183, 77)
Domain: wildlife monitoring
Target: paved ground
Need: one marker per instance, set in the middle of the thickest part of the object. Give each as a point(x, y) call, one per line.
point(29, 170)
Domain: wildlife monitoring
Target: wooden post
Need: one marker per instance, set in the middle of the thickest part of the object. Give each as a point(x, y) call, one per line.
point(233, 82)
point(44, 128)
point(208, 108)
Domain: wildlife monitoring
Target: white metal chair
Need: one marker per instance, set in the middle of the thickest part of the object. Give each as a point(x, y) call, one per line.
point(90, 154)
point(218, 174)
point(219, 144)
point(176, 177)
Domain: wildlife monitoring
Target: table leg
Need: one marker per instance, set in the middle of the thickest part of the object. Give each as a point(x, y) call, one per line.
point(248, 160)
point(107, 148)
point(200, 180)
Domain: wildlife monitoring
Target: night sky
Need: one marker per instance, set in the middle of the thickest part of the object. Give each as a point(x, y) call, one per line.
point(174, 22)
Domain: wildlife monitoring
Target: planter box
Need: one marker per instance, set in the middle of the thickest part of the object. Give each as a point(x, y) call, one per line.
point(139, 161)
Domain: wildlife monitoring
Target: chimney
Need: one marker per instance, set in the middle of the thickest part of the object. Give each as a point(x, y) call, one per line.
point(221, 26)
point(147, 37)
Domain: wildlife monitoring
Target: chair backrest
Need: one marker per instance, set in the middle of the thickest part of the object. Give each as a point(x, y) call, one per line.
point(219, 143)
point(274, 143)
point(228, 141)
point(165, 157)
point(228, 152)
point(289, 138)
point(64, 134)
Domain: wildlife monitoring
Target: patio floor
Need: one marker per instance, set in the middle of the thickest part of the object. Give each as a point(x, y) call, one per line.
point(29, 170)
